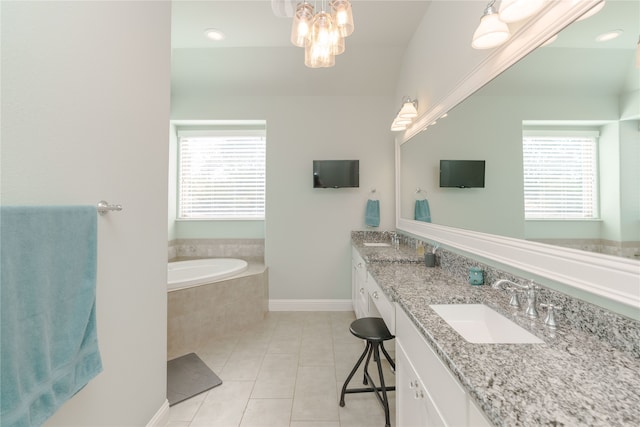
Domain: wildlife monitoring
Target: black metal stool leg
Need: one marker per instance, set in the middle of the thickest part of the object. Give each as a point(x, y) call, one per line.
point(366, 365)
point(367, 349)
point(389, 359)
point(385, 400)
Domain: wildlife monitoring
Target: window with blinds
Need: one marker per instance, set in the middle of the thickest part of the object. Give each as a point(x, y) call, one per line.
point(221, 177)
point(560, 175)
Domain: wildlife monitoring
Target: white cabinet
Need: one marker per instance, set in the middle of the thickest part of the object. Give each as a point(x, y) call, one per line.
point(445, 402)
point(414, 406)
point(380, 305)
point(359, 292)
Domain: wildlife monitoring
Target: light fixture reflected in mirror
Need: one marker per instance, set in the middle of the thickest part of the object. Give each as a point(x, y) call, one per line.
point(492, 31)
point(517, 10)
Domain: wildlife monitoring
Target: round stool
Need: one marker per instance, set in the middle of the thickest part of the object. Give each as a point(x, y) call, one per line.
point(375, 332)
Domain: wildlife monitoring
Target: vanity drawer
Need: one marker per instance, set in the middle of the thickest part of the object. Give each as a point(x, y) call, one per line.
point(384, 306)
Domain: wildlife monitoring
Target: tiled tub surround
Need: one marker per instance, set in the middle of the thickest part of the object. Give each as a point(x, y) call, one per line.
point(586, 373)
point(247, 249)
point(198, 314)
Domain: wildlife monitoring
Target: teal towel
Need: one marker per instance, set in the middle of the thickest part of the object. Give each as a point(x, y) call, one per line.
point(372, 213)
point(49, 346)
point(422, 211)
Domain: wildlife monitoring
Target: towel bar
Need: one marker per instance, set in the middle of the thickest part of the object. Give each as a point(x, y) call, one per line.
point(104, 207)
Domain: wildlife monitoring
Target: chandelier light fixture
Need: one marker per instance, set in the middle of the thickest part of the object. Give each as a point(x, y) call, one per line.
point(322, 33)
point(405, 116)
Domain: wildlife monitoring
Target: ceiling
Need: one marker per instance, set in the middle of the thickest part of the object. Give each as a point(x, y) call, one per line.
point(576, 62)
point(257, 57)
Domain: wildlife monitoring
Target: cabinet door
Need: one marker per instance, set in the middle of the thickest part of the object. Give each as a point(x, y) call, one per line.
point(360, 298)
point(448, 397)
point(410, 409)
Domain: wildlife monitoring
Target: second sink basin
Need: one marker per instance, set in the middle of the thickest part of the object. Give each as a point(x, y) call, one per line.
point(480, 324)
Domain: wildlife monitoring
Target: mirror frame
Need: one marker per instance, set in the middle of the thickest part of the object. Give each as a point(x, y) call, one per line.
point(615, 279)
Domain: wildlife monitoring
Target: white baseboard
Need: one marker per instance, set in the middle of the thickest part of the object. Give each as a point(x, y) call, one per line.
point(161, 418)
point(310, 305)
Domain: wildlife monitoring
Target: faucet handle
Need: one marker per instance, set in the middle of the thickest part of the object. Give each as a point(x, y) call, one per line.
point(550, 320)
point(515, 300)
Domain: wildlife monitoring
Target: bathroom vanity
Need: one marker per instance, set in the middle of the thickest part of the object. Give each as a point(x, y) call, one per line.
point(572, 378)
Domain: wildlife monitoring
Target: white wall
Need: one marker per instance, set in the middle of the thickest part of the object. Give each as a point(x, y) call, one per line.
point(440, 55)
point(172, 182)
point(85, 108)
point(307, 239)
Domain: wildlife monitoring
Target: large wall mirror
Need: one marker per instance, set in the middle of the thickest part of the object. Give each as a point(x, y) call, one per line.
point(574, 85)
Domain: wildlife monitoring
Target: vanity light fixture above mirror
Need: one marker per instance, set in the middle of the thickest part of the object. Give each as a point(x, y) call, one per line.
point(405, 116)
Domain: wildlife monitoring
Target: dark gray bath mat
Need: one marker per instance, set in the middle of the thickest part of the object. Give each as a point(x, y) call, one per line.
point(187, 376)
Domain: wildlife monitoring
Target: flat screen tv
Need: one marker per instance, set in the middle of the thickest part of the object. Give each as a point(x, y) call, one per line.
point(462, 173)
point(336, 173)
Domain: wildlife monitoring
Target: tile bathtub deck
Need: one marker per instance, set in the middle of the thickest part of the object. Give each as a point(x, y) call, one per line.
point(286, 371)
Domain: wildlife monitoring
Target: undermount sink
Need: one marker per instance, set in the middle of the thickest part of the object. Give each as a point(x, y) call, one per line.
point(480, 324)
point(380, 244)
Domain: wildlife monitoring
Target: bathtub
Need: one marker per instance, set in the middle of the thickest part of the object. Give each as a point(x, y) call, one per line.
point(206, 302)
point(186, 274)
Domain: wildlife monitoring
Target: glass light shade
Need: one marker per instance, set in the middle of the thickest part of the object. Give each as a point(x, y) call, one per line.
point(408, 111)
point(343, 16)
point(395, 126)
point(517, 10)
point(490, 33)
point(337, 41)
point(319, 46)
point(402, 121)
point(318, 56)
point(301, 24)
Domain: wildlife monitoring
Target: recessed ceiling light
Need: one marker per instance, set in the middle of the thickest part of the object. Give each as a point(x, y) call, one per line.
point(610, 35)
point(213, 34)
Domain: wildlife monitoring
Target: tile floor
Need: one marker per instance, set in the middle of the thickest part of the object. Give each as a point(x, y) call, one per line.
point(286, 371)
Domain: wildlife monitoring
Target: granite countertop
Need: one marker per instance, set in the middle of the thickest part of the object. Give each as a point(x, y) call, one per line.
point(572, 379)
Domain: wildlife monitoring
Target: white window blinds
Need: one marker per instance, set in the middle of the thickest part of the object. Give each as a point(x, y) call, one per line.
point(221, 177)
point(560, 175)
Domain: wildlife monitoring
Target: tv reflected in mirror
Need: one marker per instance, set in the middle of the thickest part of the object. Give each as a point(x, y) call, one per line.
point(462, 173)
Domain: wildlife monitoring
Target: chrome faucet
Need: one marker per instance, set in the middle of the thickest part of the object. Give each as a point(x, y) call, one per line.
point(532, 296)
point(550, 320)
point(395, 240)
point(532, 301)
point(514, 301)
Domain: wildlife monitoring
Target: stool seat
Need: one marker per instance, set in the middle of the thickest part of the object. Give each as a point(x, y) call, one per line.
point(374, 331)
point(370, 329)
